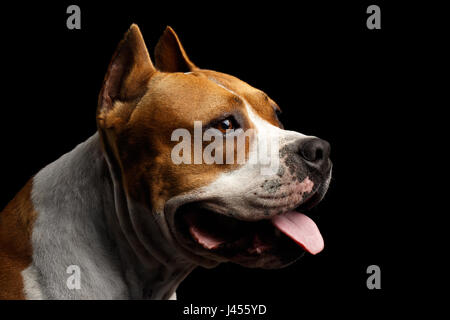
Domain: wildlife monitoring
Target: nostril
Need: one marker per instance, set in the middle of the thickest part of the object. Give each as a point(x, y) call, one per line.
point(314, 150)
point(319, 154)
point(309, 153)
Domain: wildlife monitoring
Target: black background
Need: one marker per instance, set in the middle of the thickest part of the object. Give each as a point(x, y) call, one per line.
point(332, 77)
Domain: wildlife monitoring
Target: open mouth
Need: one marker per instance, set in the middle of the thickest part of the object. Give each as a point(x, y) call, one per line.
point(286, 234)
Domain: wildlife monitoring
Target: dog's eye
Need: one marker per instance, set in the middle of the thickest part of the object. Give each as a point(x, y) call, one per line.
point(226, 124)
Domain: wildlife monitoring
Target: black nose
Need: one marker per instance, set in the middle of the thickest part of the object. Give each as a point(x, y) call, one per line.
point(316, 153)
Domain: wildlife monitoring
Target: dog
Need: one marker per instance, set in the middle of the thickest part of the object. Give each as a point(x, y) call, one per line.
point(118, 218)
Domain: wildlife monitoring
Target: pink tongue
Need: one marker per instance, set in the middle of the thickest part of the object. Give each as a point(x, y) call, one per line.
point(208, 241)
point(301, 229)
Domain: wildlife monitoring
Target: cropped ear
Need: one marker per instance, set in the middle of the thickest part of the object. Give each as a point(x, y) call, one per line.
point(128, 73)
point(170, 55)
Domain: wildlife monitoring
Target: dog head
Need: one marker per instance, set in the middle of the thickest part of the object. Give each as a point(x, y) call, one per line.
point(203, 169)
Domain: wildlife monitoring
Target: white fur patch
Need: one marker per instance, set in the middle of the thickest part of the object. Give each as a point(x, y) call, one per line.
point(238, 187)
point(31, 287)
point(70, 196)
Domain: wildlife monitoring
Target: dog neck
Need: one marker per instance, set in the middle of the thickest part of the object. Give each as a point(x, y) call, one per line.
point(114, 263)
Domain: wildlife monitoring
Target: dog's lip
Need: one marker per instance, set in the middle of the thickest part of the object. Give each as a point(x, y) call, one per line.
point(313, 200)
point(245, 238)
point(208, 257)
point(207, 231)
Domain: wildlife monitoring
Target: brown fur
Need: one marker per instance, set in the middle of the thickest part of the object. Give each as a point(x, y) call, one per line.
point(143, 127)
point(139, 108)
point(16, 223)
point(170, 55)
